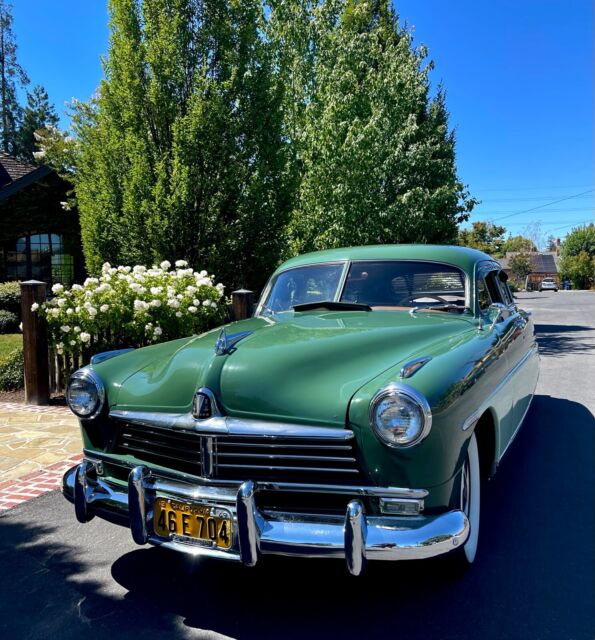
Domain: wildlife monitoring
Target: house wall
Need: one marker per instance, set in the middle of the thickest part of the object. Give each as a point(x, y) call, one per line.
point(36, 209)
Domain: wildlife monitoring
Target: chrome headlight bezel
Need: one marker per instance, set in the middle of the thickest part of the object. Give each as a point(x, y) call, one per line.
point(91, 377)
point(395, 390)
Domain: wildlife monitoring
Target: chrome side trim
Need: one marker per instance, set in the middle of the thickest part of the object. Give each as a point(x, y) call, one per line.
point(226, 425)
point(414, 365)
point(474, 417)
point(355, 537)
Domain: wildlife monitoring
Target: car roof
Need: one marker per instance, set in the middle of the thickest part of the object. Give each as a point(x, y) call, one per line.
point(462, 257)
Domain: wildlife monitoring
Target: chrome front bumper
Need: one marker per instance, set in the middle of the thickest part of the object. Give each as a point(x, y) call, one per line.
point(355, 537)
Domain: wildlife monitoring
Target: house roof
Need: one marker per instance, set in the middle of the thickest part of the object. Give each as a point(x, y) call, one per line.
point(16, 175)
point(12, 169)
point(540, 262)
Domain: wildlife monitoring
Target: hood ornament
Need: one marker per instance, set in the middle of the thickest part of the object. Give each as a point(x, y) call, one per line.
point(226, 342)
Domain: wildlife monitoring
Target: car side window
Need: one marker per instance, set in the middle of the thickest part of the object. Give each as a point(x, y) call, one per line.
point(483, 296)
point(491, 280)
point(505, 291)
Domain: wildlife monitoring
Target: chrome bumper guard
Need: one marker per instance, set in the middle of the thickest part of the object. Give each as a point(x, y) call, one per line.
point(356, 537)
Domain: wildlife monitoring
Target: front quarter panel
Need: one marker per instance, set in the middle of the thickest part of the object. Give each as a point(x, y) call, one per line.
point(455, 382)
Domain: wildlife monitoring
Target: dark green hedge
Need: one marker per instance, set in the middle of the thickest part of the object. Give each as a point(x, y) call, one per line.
point(10, 297)
point(9, 322)
point(12, 372)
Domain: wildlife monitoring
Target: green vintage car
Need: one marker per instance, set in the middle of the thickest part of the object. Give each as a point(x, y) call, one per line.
point(353, 416)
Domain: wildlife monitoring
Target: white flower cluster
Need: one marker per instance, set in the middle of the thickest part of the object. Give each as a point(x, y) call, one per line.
point(133, 306)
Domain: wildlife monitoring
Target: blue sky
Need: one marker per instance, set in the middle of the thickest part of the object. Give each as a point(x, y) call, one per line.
point(518, 76)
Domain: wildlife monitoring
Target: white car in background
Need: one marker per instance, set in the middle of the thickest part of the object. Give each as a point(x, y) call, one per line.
point(548, 284)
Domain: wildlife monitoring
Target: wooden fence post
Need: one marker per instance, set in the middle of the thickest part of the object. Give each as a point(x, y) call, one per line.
point(35, 344)
point(241, 304)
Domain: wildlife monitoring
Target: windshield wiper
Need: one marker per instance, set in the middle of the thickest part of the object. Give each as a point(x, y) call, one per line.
point(447, 306)
point(332, 306)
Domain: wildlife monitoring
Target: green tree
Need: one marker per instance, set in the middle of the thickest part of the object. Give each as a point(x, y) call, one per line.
point(520, 265)
point(182, 153)
point(12, 76)
point(377, 157)
point(578, 256)
point(38, 114)
point(518, 244)
point(485, 236)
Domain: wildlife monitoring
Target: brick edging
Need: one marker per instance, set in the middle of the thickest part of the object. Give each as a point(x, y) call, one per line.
point(15, 492)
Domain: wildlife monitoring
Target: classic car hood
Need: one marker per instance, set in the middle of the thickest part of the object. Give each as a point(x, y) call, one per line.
point(301, 367)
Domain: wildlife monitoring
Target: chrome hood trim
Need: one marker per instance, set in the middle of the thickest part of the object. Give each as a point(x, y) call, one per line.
point(227, 425)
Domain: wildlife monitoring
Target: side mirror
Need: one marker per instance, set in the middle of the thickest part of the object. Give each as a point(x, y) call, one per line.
point(497, 312)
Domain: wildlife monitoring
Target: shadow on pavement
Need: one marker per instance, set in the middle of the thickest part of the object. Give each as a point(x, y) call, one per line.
point(560, 339)
point(533, 576)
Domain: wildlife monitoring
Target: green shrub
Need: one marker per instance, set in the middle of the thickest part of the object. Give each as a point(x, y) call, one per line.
point(9, 322)
point(10, 297)
point(12, 371)
point(132, 306)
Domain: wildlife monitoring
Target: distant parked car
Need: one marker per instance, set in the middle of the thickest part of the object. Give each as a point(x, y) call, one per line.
point(548, 284)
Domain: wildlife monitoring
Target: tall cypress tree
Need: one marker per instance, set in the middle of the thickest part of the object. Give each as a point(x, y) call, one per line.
point(38, 114)
point(182, 155)
point(11, 76)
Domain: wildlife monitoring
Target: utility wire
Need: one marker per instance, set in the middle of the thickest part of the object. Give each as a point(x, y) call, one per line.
point(541, 206)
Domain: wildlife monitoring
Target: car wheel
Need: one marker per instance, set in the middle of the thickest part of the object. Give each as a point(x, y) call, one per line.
point(469, 502)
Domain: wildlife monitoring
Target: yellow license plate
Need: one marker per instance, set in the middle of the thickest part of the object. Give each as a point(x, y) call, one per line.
point(200, 521)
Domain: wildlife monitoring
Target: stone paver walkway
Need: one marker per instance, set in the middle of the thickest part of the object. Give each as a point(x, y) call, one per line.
point(35, 441)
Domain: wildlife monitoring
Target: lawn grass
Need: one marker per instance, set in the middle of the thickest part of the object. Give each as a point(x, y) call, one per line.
point(9, 342)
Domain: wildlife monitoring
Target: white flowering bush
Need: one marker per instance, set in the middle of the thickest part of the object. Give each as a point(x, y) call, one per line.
point(132, 306)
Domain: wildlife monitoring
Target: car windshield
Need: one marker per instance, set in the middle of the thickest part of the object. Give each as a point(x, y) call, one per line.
point(379, 284)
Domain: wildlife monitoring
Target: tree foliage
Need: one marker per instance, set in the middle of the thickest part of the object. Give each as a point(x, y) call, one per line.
point(518, 244)
point(377, 157)
point(234, 133)
point(39, 114)
point(12, 75)
point(578, 256)
point(181, 153)
point(484, 236)
point(520, 265)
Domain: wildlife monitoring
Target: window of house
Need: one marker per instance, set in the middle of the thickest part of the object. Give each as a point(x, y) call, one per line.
point(40, 256)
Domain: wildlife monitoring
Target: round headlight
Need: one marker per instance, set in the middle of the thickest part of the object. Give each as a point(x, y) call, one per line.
point(85, 393)
point(400, 415)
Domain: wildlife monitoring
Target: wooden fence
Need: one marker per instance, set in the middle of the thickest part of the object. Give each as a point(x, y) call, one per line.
point(46, 371)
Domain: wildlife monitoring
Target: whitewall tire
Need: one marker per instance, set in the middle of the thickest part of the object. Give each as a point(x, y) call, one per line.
point(470, 499)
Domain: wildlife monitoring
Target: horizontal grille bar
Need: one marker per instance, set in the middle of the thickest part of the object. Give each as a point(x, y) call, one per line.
point(278, 468)
point(268, 445)
point(280, 456)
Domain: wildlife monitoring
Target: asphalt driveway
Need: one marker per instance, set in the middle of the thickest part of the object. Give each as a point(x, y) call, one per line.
point(534, 576)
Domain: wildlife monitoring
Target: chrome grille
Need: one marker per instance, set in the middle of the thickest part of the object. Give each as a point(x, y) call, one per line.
point(165, 447)
point(286, 460)
point(271, 458)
